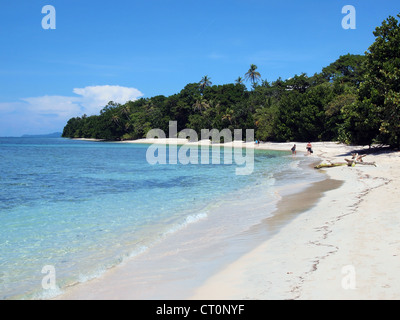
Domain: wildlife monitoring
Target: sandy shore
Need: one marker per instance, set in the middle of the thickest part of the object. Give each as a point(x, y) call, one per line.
point(345, 247)
point(87, 139)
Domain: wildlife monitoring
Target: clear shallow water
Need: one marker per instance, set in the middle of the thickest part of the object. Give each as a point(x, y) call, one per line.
point(83, 207)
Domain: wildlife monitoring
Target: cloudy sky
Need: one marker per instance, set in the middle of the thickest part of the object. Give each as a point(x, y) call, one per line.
point(123, 50)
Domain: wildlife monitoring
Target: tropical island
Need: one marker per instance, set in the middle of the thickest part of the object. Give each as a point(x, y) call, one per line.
point(354, 100)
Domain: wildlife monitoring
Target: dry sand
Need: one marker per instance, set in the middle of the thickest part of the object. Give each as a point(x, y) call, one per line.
point(345, 247)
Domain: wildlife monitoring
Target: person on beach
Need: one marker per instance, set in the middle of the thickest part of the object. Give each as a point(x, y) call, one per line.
point(309, 149)
point(294, 150)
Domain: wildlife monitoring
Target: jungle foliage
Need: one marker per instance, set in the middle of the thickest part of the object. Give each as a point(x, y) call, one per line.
point(355, 100)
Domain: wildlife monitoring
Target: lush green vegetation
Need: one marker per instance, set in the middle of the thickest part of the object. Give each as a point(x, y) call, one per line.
point(356, 99)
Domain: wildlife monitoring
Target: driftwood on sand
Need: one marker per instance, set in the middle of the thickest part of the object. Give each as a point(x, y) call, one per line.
point(355, 160)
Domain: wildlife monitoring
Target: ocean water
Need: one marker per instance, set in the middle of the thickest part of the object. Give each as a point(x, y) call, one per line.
point(83, 207)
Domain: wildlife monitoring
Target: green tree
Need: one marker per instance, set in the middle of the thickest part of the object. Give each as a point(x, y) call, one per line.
point(253, 75)
point(346, 69)
point(239, 80)
point(204, 83)
point(228, 116)
point(265, 120)
point(334, 116)
point(299, 83)
point(201, 105)
point(115, 120)
point(376, 116)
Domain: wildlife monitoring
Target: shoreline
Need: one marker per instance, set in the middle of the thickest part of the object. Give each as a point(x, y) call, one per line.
point(307, 255)
point(345, 247)
point(120, 282)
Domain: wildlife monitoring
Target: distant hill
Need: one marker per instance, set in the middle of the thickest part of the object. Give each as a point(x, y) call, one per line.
point(50, 135)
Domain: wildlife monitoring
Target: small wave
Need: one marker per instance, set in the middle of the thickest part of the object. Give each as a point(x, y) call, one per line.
point(138, 251)
point(189, 220)
point(295, 164)
point(96, 274)
point(48, 294)
point(100, 271)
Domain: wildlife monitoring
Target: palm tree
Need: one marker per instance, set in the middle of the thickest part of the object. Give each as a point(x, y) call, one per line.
point(239, 80)
point(126, 111)
point(201, 105)
point(116, 120)
point(128, 126)
point(229, 115)
point(252, 74)
point(205, 82)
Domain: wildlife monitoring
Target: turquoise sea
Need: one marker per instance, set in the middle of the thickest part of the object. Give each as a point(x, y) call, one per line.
point(83, 207)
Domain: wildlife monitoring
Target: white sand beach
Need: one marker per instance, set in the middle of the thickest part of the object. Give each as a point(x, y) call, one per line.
point(346, 246)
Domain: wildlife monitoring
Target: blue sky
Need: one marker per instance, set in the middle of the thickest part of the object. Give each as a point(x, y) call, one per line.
point(122, 50)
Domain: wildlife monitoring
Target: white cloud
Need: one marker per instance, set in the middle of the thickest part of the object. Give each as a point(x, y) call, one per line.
point(95, 97)
point(50, 113)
